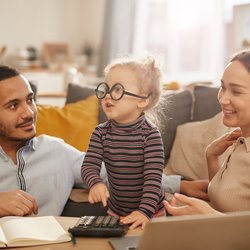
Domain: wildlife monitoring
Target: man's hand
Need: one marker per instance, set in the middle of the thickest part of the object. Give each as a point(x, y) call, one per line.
point(99, 192)
point(136, 219)
point(17, 203)
point(188, 206)
point(197, 189)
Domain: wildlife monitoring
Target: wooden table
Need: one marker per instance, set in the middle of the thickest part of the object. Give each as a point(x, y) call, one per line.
point(81, 242)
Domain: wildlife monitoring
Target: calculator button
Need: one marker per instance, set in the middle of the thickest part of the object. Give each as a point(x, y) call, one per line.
point(113, 221)
point(106, 220)
point(98, 221)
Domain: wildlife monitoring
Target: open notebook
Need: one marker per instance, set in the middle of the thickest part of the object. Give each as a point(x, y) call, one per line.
point(206, 232)
point(29, 231)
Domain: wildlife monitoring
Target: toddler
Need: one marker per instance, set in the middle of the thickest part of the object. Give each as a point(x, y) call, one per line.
point(129, 144)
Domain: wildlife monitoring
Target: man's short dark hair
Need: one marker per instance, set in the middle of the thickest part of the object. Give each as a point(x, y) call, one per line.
point(7, 72)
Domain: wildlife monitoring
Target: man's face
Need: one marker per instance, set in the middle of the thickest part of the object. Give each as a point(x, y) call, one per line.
point(17, 110)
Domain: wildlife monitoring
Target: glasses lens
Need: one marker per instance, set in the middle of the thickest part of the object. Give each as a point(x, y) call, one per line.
point(101, 90)
point(116, 91)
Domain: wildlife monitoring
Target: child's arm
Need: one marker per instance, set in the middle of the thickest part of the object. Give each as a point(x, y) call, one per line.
point(153, 168)
point(91, 167)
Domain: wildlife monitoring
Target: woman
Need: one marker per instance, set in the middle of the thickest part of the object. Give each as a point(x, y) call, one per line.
point(229, 187)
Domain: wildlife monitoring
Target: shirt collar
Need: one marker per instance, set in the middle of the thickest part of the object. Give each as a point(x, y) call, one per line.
point(245, 141)
point(30, 145)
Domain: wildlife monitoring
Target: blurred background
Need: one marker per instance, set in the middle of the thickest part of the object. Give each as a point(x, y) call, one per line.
point(72, 40)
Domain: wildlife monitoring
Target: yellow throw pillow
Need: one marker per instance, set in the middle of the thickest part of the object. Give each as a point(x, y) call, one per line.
point(74, 123)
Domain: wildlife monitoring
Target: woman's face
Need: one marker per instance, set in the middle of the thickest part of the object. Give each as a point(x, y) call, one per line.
point(234, 97)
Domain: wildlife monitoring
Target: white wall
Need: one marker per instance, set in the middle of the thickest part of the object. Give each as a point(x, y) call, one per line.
point(32, 22)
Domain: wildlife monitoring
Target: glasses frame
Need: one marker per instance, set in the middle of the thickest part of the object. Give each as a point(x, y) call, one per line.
point(124, 92)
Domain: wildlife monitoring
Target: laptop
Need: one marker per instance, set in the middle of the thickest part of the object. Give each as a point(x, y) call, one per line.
point(196, 232)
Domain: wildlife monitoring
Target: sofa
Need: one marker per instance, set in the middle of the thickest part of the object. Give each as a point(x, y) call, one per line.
point(192, 106)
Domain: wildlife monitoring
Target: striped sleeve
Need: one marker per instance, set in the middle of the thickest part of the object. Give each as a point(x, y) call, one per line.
point(153, 168)
point(91, 167)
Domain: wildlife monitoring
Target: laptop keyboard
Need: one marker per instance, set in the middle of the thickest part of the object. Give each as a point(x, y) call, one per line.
point(99, 226)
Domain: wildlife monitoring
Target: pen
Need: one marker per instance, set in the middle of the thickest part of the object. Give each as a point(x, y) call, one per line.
point(73, 239)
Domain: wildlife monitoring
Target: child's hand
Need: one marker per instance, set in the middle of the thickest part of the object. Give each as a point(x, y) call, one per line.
point(137, 219)
point(99, 193)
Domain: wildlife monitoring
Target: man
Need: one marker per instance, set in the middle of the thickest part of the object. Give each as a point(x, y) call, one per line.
point(37, 173)
point(34, 172)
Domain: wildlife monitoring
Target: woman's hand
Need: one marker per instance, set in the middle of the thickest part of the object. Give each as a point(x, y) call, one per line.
point(99, 193)
point(218, 147)
point(183, 205)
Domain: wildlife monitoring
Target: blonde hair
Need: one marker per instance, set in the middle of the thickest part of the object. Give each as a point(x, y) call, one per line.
point(148, 73)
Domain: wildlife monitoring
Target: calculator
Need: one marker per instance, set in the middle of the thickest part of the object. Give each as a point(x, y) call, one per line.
point(99, 226)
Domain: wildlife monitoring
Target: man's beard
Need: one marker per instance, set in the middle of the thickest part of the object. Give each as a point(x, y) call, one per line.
point(5, 135)
point(13, 138)
point(16, 139)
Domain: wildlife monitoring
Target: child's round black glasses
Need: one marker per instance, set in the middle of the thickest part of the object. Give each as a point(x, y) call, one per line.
point(116, 92)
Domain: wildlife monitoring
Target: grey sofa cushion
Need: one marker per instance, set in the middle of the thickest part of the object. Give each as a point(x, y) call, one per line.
point(206, 104)
point(173, 110)
point(76, 93)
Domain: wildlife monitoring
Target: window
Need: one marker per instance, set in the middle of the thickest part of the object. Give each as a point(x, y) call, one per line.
point(187, 35)
point(193, 38)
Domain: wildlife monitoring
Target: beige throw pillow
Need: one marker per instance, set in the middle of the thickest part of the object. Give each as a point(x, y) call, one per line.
point(187, 157)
